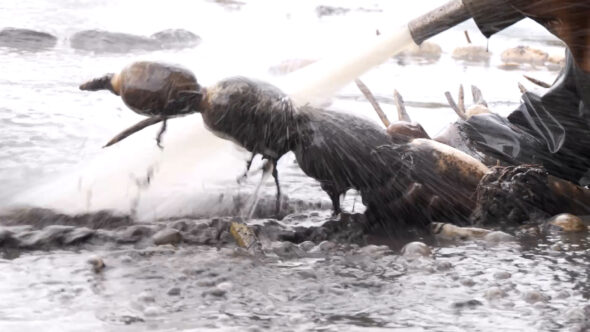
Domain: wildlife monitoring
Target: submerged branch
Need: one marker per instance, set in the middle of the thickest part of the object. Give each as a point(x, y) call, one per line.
point(402, 115)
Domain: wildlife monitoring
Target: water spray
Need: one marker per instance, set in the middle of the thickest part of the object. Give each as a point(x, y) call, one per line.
point(314, 83)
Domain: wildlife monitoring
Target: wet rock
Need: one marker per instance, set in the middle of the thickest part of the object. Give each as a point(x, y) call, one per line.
point(502, 275)
point(534, 296)
point(452, 232)
point(287, 250)
point(134, 234)
point(428, 52)
point(472, 54)
point(97, 264)
point(443, 266)
point(566, 222)
point(167, 236)
point(174, 291)
point(468, 282)
point(40, 218)
point(78, 235)
point(26, 40)
point(306, 245)
point(100, 41)
point(216, 292)
point(225, 286)
point(322, 11)
point(415, 250)
point(494, 293)
point(152, 311)
point(177, 38)
point(375, 251)
point(307, 274)
point(470, 304)
point(524, 55)
point(499, 237)
point(146, 297)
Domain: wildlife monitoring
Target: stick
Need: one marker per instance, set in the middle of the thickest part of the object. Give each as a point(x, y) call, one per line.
point(478, 96)
point(454, 106)
point(467, 36)
point(538, 82)
point(133, 129)
point(522, 88)
point(367, 93)
point(402, 115)
point(462, 99)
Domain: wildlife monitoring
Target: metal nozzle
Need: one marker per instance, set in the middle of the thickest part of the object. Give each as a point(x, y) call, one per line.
point(490, 16)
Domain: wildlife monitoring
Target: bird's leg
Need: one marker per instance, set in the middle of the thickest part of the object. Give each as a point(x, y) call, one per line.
point(244, 176)
point(267, 169)
point(334, 197)
point(160, 133)
point(275, 175)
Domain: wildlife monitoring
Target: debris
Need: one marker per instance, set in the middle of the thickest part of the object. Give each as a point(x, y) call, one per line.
point(367, 93)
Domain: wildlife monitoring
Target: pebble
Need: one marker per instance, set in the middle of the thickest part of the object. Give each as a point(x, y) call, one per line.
point(306, 246)
point(494, 293)
point(167, 236)
point(174, 291)
point(375, 251)
point(498, 237)
point(307, 274)
point(97, 264)
point(468, 282)
point(225, 286)
point(151, 311)
point(146, 297)
point(568, 223)
point(415, 250)
point(534, 296)
point(502, 275)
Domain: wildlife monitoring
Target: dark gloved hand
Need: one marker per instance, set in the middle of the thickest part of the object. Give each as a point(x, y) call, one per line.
point(569, 20)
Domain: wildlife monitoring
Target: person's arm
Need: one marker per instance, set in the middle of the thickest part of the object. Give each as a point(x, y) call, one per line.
point(567, 19)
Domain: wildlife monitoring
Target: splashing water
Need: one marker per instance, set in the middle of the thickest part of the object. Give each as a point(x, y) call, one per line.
point(317, 82)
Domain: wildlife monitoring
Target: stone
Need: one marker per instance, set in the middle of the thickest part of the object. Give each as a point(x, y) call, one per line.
point(502, 275)
point(567, 222)
point(472, 54)
point(524, 55)
point(306, 246)
point(167, 236)
point(26, 40)
point(97, 264)
point(499, 237)
point(174, 291)
point(534, 296)
point(494, 293)
point(415, 250)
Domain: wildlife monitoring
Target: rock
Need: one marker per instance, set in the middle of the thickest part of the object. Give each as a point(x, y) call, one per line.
point(494, 293)
point(146, 297)
point(330, 11)
point(174, 291)
point(415, 250)
point(471, 54)
point(306, 246)
point(215, 292)
point(97, 264)
point(468, 282)
point(566, 222)
point(499, 237)
point(426, 51)
point(167, 236)
point(307, 274)
point(287, 249)
point(374, 251)
point(151, 311)
point(26, 40)
point(534, 296)
point(502, 275)
point(555, 62)
point(467, 304)
point(524, 55)
point(225, 286)
point(452, 232)
point(99, 41)
point(177, 38)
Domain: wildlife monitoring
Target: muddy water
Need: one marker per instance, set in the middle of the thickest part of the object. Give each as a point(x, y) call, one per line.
point(50, 157)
